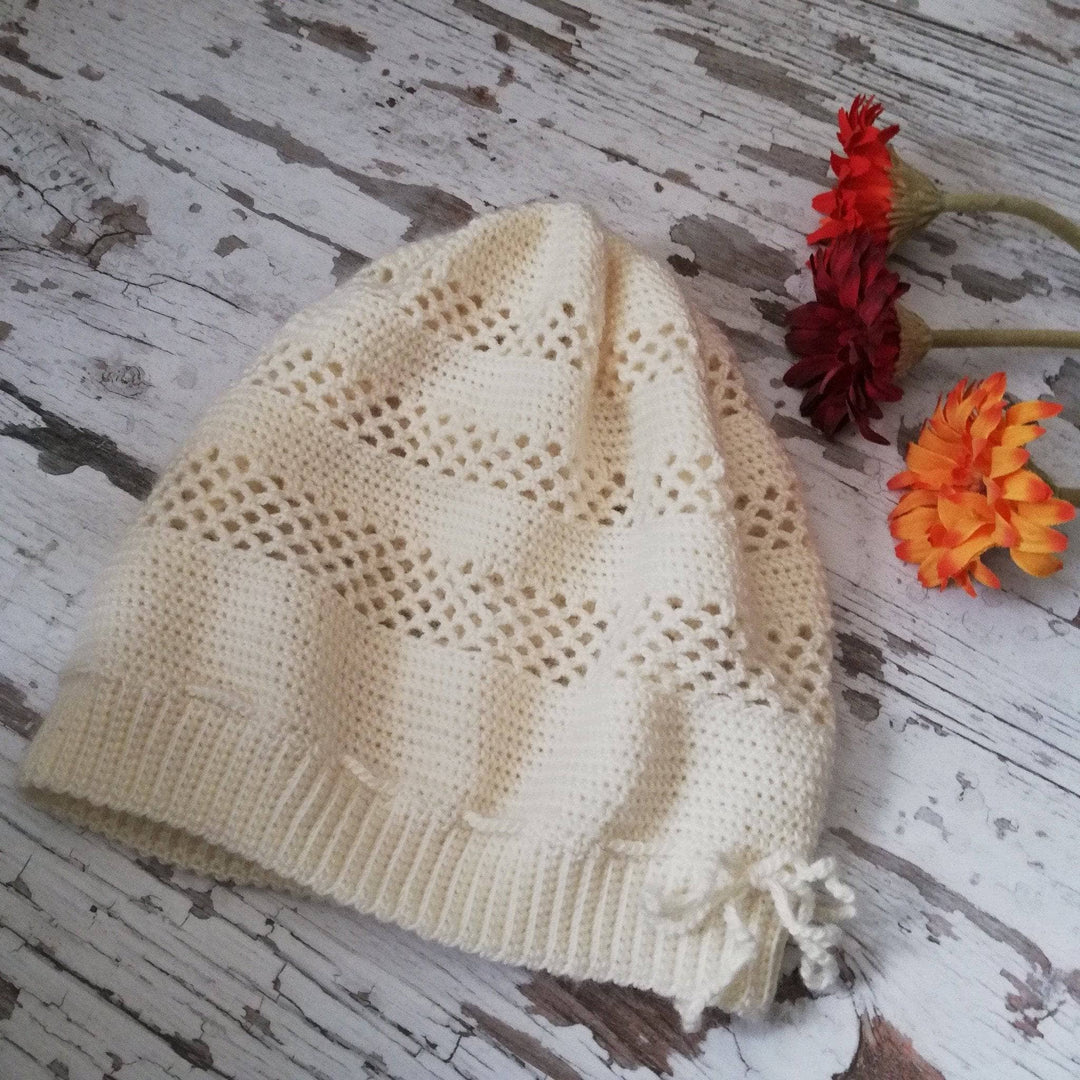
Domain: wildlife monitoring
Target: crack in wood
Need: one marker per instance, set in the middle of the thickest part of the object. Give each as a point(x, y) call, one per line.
point(192, 1050)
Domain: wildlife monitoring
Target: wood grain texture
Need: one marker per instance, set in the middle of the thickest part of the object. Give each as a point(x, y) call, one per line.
point(176, 179)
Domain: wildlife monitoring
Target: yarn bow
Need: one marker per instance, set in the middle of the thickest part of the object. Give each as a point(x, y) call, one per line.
point(808, 897)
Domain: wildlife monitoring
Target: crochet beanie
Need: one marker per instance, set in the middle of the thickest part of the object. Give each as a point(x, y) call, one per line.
point(483, 602)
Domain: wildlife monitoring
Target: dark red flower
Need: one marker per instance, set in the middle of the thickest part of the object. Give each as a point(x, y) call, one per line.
point(848, 339)
point(862, 197)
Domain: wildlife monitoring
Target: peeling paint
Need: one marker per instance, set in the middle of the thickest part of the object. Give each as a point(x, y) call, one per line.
point(1028, 1000)
point(252, 1018)
point(91, 73)
point(346, 262)
point(734, 254)
point(479, 96)
point(846, 455)
point(985, 284)
point(117, 223)
point(429, 209)
point(568, 13)
point(202, 903)
point(555, 47)
point(62, 447)
point(1003, 826)
point(150, 151)
point(15, 713)
point(883, 1053)
point(938, 243)
point(526, 1048)
point(864, 707)
point(225, 51)
point(772, 311)
point(945, 898)
point(858, 656)
point(683, 179)
point(333, 36)
point(1065, 385)
point(228, 244)
point(683, 266)
point(933, 819)
point(1033, 42)
point(917, 268)
point(789, 161)
point(636, 1028)
point(10, 49)
point(904, 646)
point(193, 1051)
point(9, 995)
point(1063, 10)
point(938, 927)
point(752, 72)
point(17, 86)
point(852, 47)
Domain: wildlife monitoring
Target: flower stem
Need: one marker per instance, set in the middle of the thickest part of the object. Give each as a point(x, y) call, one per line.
point(993, 336)
point(1068, 230)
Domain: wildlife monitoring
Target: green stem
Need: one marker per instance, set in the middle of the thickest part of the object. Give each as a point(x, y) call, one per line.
point(1068, 230)
point(966, 339)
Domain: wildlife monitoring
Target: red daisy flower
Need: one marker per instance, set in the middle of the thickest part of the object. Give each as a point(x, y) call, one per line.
point(848, 339)
point(862, 197)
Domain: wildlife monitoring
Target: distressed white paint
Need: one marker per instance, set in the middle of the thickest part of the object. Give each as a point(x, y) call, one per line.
point(957, 813)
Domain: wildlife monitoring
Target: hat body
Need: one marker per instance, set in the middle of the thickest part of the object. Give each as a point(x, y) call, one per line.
point(485, 603)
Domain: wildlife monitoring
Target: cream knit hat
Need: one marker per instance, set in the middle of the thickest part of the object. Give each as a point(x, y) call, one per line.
point(484, 602)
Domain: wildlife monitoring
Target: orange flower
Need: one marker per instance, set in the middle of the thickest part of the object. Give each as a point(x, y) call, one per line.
point(969, 490)
point(863, 194)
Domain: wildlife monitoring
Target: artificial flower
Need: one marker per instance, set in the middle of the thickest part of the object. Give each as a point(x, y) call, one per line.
point(848, 338)
point(969, 490)
point(861, 198)
point(878, 191)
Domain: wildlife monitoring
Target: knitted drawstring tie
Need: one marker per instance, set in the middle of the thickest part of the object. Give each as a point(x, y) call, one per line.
point(808, 897)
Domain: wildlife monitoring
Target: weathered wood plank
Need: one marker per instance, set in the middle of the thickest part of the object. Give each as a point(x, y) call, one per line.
point(165, 202)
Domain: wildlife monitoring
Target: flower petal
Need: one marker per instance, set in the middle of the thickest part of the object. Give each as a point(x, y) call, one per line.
point(1025, 486)
point(1039, 538)
point(1050, 512)
point(1023, 412)
point(1038, 565)
point(1019, 434)
point(954, 560)
point(984, 575)
point(1007, 459)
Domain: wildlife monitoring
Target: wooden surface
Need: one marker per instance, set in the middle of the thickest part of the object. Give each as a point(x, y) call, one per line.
point(176, 178)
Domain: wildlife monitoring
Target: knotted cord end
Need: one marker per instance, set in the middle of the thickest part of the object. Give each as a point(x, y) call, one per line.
point(809, 900)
